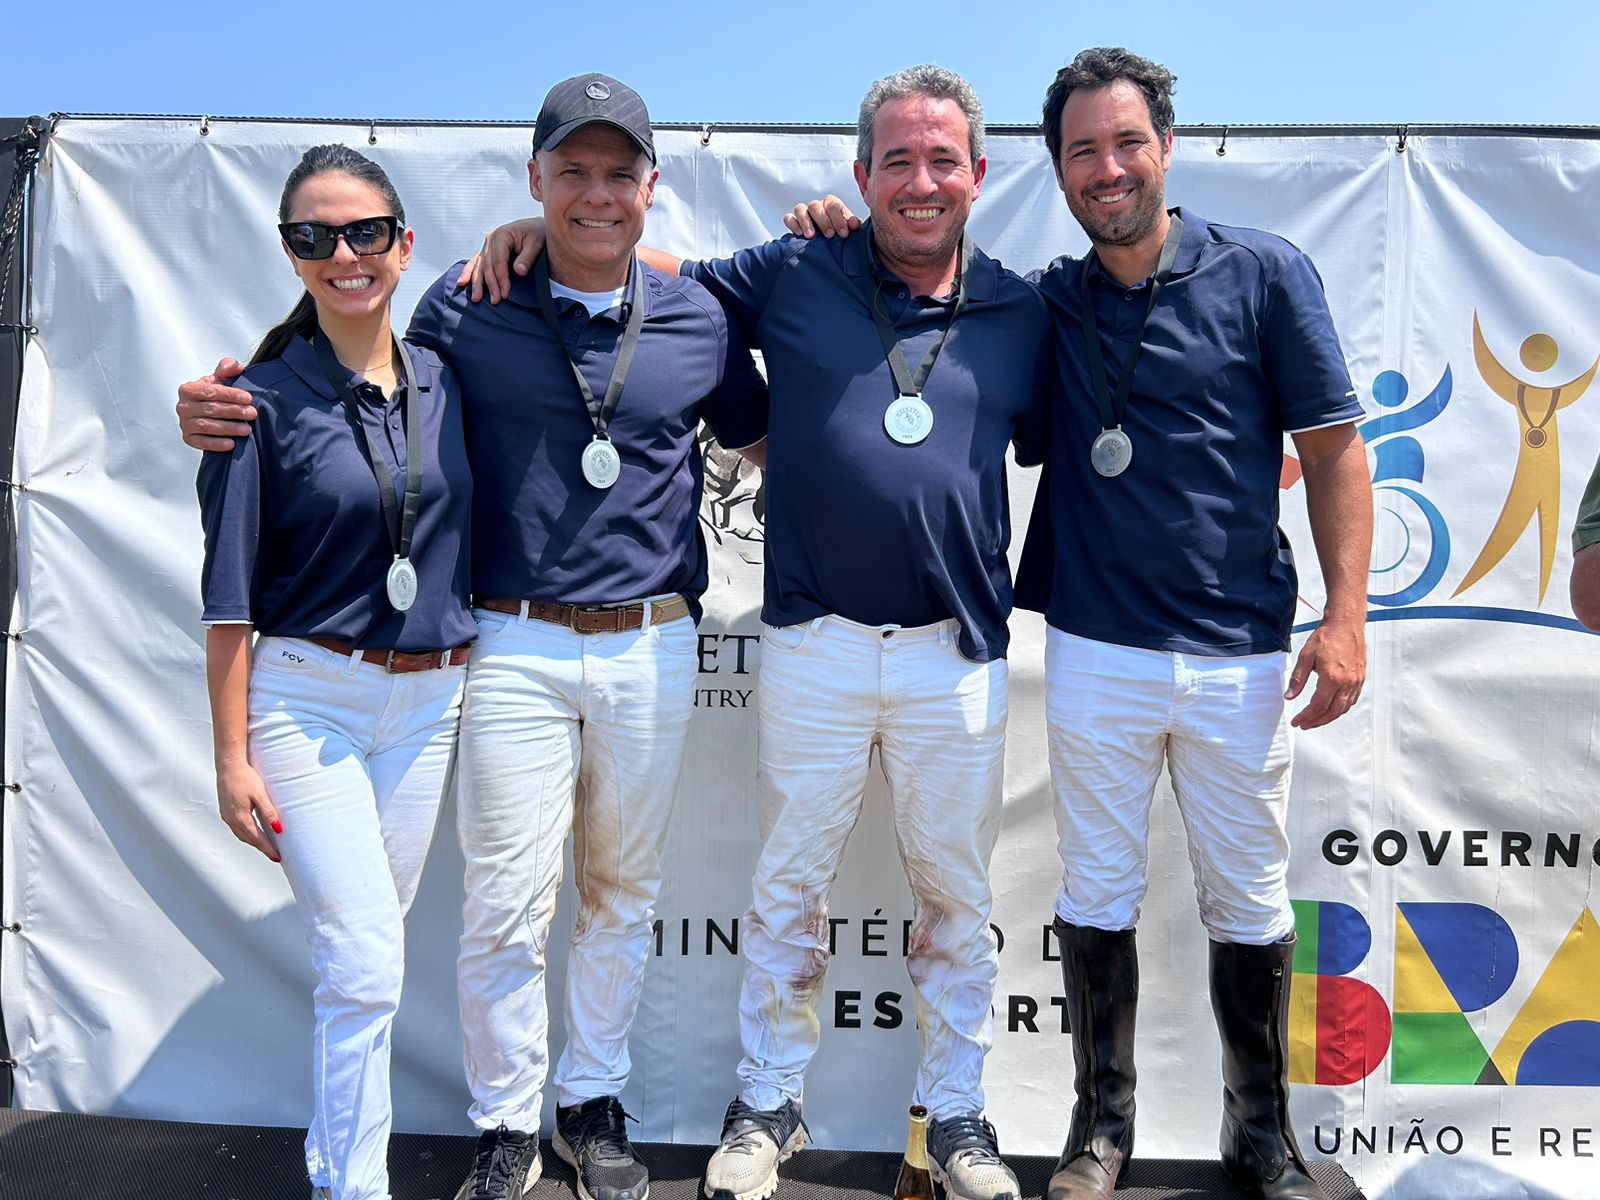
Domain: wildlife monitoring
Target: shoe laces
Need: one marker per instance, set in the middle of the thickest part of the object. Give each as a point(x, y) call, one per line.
point(743, 1126)
point(969, 1137)
point(495, 1162)
point(603, 1128)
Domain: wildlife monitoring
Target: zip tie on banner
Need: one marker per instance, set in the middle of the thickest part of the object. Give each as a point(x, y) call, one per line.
point(205, 126)
point(372, 134)
point(28, 329)
point(1222, 147)
point(705, 135)
point(1402, 133)
point(13, 787)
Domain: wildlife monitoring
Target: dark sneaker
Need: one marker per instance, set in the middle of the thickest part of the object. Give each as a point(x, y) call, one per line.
point(754, 1142)
point(964, 1156)
point(593, 1139)
point(504, 1167)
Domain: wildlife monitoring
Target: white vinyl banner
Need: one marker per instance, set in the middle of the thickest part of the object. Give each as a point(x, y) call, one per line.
point(1446, 1016)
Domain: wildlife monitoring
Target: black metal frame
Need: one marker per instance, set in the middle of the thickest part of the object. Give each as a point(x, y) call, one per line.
point(1400, 131)
point(21, 141)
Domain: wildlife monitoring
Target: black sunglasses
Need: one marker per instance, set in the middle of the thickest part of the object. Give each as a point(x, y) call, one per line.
point(318, 239)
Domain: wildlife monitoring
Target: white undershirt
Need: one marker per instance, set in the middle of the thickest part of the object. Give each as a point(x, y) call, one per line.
point(595, 302)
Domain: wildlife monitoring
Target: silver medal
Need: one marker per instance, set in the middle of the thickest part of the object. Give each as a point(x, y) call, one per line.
point(401, 584)
point(908, 420)
point(1112, 452)
point(601, 463)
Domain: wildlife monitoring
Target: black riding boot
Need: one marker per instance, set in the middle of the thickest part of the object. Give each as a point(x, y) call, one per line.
point(1101, 972)
point(1250, 997)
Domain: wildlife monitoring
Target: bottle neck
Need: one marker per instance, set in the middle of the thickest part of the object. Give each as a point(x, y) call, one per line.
point(917, 1139)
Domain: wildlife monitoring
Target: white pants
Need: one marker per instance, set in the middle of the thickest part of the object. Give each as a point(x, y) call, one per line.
point(830, 690)
point(355, 760)
point(1113, 713)
point(563, 731)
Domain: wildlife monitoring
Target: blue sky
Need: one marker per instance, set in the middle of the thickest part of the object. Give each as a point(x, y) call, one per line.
point(1238, 62)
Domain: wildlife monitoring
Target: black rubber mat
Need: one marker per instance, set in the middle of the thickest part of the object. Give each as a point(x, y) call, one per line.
point(48, 1155)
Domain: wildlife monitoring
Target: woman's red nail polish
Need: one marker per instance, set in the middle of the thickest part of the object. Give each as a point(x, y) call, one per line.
point(277, 825)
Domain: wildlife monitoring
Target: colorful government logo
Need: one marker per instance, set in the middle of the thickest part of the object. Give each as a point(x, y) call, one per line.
point(1451, 960)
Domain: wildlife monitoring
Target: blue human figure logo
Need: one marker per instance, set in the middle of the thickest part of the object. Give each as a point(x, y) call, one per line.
point(1398, 464)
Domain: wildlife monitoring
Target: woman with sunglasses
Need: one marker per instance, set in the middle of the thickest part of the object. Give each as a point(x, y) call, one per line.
point(339, 533)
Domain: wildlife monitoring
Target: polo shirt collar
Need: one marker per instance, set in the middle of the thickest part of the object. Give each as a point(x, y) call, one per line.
point(1191, 243)
point(300, 356)
point(983, 275)
point(523, 294)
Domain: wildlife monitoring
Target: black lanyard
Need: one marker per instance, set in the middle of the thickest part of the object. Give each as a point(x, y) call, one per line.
point(602, 411)
point(905, 383)
point(400, 525)
point(1114, 408)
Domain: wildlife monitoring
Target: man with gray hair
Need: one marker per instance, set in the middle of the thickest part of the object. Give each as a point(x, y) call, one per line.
point(901, 365)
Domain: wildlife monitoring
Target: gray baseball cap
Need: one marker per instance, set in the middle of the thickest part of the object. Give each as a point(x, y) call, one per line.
point(587, 100)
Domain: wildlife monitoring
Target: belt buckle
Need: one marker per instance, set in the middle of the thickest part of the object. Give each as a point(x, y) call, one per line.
point(388, 662)
point(581, 610)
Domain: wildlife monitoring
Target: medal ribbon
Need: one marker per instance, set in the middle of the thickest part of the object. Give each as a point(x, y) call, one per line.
point(905, 383)
point(1114, 408)
point(602, 411)
point(401, 522)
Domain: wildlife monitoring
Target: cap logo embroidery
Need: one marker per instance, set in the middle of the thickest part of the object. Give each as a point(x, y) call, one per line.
point(597, 91)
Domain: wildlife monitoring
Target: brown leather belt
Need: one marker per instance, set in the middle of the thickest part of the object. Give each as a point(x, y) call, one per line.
point(590, 618)
point(400, 662)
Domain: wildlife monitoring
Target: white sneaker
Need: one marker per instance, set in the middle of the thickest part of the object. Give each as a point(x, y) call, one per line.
point(964, 1157)
point(754, 1142)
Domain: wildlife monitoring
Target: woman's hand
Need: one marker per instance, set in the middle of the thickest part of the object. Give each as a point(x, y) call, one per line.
point(244, 804)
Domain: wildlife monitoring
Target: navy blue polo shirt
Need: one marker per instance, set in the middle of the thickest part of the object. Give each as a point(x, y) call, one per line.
point(858, 525)
point(296, 542)
point(1182, 551)
point(540, 530)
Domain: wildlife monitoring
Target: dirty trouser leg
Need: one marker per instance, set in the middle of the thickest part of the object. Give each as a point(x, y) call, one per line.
point(943, 749)
point(817, 716)
point(638, 698)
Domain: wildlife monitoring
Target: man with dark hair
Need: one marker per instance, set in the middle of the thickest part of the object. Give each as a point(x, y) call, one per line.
point(902, 364)
point(584, 395)
point(1186, 350)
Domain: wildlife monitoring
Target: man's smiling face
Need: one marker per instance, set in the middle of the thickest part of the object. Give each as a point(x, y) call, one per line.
point(923, 180)
point(1113, 167)
point(595, 187)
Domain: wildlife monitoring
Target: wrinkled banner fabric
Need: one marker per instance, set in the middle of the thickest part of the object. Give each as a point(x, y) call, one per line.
point(1445, 1033)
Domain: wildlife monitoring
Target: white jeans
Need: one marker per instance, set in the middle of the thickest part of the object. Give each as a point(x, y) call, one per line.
point(1113, 713)
point(830, 690)
point(355, 760)
point(562, 731)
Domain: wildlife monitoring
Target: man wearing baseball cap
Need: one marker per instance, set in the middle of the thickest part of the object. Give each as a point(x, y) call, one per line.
point(583, 395)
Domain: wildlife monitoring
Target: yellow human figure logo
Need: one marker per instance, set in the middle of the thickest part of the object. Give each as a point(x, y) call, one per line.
point(1536, 484)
